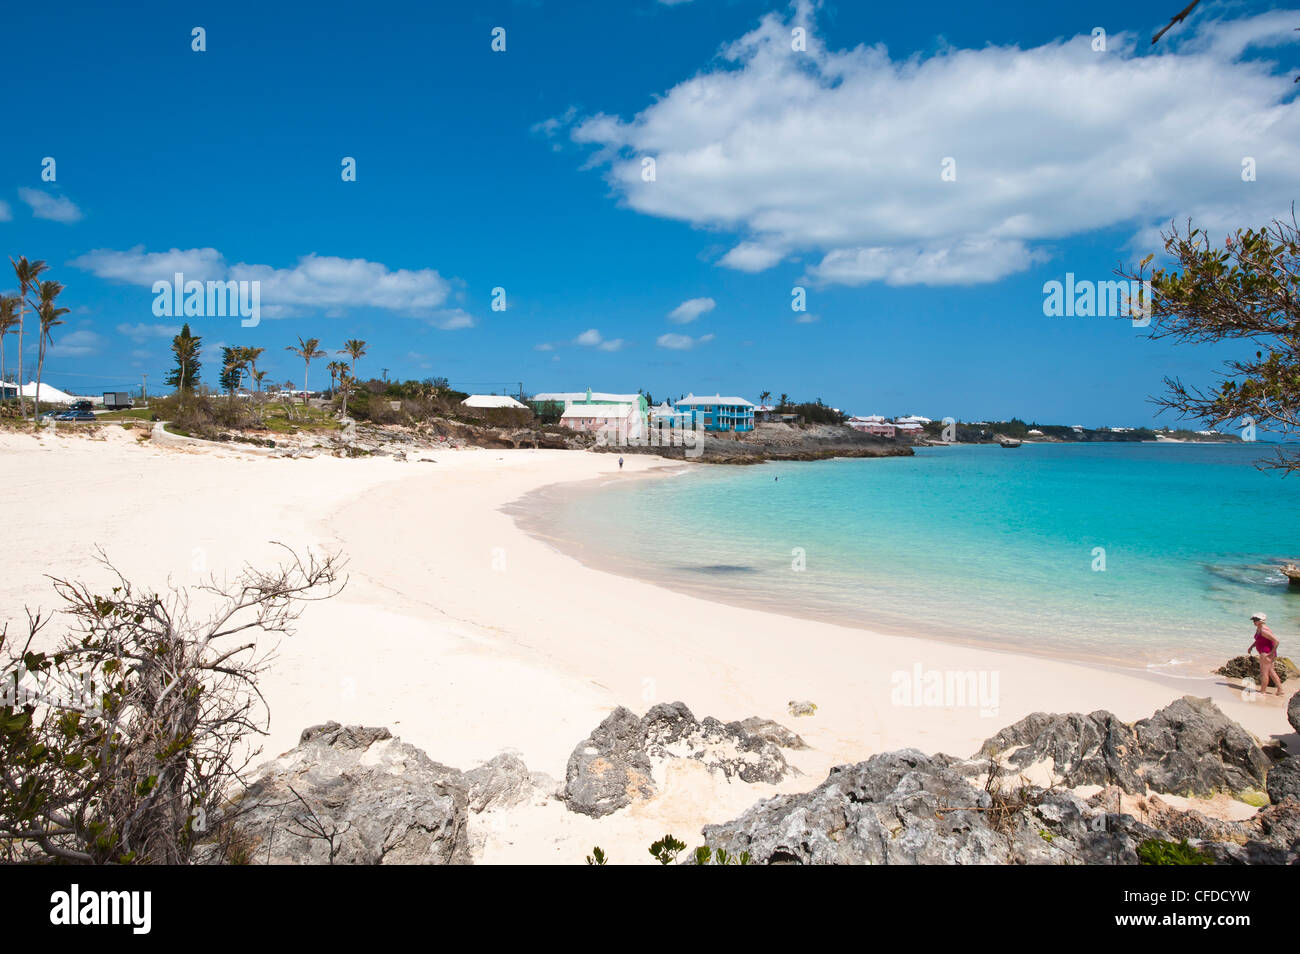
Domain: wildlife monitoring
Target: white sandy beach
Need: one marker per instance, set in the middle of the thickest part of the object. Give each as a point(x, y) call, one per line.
point(466, 637)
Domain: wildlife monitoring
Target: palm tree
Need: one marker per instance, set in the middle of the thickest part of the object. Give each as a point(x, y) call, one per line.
point(51, 317)
point(250, 356)
point(785, 399)
point(764, 397)
point(8, 321)
point(335, 368)
point(28, 274)
point(307, 350)
point(356, 348)
point(345, 382)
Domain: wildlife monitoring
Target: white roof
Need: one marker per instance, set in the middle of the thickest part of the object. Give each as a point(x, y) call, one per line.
point(51, 394)
point(691, 399)
point(869, 419)
point(597, 410)
point(490, 400)
point(913, 419)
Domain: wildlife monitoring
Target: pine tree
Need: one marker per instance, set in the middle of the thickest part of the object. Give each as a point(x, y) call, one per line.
point(185, 347)
point(232, 369)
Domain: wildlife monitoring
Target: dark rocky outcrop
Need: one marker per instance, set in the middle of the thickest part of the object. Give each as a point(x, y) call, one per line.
point(1284, 780)
point(1247, 667)
point(355, 795)
point(908, 808)
point(1191, 747)
point(610, 768)
point(614, 766)
point(504, 782)
point(1094, 749)
point(1187, 748)
point(1293, 712)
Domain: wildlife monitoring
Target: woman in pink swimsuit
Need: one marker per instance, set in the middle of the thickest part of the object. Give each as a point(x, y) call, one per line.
point(1266, 643)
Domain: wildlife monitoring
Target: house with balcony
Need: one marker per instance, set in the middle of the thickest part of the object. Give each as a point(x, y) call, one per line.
point(717, 413)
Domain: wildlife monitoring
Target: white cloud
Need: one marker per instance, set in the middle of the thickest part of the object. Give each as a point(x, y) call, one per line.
point(5, 213)
point(135, 266)
point(45, 205)
point(837, 153)
point(682, 342)
point(591, 338)
point(316, 282)
point(691, 309)
point(752, 257)
point(143, 331)
point(74, 344)
point(451, 319)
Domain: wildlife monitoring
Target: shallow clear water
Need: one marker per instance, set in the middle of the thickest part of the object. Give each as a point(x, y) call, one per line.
point(973, 543)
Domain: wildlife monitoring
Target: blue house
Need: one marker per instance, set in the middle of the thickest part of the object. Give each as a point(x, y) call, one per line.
point(717, 413)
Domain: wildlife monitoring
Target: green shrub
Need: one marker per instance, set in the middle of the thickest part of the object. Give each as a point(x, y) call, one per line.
point(1155, 851)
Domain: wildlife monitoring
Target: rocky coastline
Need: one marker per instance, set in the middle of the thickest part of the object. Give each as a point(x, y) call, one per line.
point(1051, 789)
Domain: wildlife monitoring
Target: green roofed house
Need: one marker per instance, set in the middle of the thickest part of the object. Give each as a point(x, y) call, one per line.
point(551, 405)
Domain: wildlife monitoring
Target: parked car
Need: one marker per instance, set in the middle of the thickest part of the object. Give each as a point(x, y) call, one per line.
point(82, 406)
point(75, 416)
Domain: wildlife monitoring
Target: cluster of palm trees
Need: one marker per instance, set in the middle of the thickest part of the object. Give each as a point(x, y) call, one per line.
point(40, 297)
point(767, 396)
point(244, 360)
point(342, 374)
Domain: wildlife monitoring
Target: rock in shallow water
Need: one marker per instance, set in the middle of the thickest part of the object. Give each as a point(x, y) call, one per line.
point(1247, 667)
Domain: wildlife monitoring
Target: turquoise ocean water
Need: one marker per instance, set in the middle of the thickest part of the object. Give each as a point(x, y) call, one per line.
point(977, 544)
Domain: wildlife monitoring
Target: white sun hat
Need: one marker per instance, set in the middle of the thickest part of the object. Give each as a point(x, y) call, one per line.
point(1259, 616)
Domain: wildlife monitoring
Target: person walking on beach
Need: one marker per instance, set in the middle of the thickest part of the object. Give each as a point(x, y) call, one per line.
point(620, 463)
point(1267, 645)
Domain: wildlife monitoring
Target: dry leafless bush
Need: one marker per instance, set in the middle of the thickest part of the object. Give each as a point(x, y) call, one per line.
point(117, 746)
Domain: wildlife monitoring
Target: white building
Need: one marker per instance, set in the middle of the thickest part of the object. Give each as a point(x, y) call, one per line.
point(492, 400)
point(622, 421)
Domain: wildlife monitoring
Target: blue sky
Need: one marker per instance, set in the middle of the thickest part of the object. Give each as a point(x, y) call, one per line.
point(775, 168)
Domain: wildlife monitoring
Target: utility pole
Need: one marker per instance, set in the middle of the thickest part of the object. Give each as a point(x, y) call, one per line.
point(144, 387)
point(384, 371)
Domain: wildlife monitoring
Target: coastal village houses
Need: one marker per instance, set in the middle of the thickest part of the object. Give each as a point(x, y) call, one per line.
point(873, 424)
